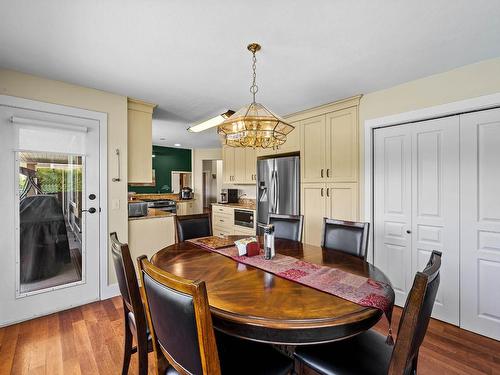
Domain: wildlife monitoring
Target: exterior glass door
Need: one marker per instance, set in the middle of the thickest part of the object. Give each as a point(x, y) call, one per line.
point(50, 212)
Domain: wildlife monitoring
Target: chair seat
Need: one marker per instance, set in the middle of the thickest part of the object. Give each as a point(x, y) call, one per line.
point(243, 357)
point(366, 353)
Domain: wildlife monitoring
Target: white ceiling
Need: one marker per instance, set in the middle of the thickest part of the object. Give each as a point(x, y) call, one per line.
point(190, 57)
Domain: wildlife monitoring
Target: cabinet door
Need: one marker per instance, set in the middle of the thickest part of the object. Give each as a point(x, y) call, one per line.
point(239, 174)
point(140, 149)
point(292, 143)
point(250, 166)
point(228, 164)
point(480, 222)
point(342, 145)
point(314, 210)
point(313, 149)
point(343, 201)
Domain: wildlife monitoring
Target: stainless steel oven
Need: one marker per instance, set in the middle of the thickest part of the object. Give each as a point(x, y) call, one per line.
point(244, 218)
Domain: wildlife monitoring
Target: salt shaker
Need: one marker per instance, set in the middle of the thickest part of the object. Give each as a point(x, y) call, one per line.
point(269, 251)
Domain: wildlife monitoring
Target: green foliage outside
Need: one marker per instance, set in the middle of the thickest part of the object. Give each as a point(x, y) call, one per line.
point(51, 180)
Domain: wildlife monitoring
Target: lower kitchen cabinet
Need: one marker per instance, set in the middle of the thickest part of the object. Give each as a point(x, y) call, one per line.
point(185, 207)
point(223, 223)
point(147, 236)
point(333, 200)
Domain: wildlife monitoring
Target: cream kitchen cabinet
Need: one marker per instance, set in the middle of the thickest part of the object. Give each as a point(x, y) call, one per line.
point(313, 155)
point(223, 222)
point(331, 200)
point(239, 165)
point(329, 146)
point(314, 209)
point(185, 207)
point(292, 143)
point(139, 125)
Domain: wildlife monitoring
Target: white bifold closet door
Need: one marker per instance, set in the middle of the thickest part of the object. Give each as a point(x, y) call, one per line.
point(480, 222)
point(416, 206)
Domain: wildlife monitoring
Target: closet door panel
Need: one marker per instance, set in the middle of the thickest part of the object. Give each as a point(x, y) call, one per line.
point(480, 222)
point(435, 207)
point(392, 205)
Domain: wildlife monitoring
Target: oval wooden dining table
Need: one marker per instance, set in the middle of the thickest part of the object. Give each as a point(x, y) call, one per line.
point(253, 304)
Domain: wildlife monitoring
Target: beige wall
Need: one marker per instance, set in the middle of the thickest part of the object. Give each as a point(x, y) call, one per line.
point(466, 82)
point(56, 92)
point(200, 154)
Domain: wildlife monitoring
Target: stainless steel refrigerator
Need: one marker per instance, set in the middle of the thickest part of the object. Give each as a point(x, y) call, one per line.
point(278, 187)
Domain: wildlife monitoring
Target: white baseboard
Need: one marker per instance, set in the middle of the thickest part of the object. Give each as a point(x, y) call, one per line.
point(110, 291)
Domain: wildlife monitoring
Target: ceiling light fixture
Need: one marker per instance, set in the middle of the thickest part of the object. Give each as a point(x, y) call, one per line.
point(210, 123)
point(254, 125)
point(177, 144)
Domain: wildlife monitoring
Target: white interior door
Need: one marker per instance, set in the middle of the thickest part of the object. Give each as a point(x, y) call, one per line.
point(416, 206)
point(392, 207)
point(480, 222)
point(435, 207)
point(50, 212)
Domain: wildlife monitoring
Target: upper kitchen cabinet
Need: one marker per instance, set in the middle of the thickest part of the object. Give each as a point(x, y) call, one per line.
point(239, 165)
point(313, 155)
point(342, 145)
point(330, 144)
point(140, 142)
point(292, 143)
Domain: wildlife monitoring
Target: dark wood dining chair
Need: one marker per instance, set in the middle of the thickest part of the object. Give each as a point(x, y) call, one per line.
point(193, 226)
point(183, 336)
point(368, 353)
point(288, 227)
point(346, 236)
point(133, 307)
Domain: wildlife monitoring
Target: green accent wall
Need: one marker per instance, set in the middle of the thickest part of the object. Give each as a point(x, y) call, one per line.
point(166, 160)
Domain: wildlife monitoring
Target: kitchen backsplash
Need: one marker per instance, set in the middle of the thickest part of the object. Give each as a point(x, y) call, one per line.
point(249, 190)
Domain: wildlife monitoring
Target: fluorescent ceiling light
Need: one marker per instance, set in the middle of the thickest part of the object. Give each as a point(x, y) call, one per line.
point(210, 123)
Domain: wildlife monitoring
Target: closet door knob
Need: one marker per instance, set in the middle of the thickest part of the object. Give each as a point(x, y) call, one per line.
point(408, 231)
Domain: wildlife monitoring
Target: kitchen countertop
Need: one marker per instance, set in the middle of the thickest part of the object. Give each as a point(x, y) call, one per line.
point(169, 196)
point(242, 205)
point(153, 213)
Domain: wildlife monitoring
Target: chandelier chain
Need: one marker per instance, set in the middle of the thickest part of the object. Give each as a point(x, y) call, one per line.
point(254, 88)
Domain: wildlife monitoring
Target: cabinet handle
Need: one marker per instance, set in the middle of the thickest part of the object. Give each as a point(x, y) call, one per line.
point(327, 192)
point(321, 191)
point(328, 172)
point(321, 172)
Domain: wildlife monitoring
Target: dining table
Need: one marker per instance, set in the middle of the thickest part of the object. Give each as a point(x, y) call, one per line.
point(250, 303)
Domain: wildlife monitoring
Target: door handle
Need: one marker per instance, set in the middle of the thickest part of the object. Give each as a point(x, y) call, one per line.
point(328, 172)
point(327, 192)
point(321, 172)
point(408, 231)
point(321, 191)
point(91, 210)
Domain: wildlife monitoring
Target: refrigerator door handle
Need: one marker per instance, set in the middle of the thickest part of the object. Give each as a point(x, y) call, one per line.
point(273, 189)
point(276, 193)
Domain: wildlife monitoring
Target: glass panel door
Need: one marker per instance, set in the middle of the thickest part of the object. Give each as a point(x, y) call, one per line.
point(50, 221)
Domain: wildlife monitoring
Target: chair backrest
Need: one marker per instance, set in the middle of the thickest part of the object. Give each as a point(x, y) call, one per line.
point(127, 280)
point(415, 317)
point(193, 226)
point(180, 320)
point(346, 236)
point(288, 227)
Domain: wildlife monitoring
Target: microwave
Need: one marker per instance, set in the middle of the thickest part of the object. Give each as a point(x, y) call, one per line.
point(244, 218)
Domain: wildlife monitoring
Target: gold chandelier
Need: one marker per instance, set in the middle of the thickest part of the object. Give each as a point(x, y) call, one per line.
point(254, 125)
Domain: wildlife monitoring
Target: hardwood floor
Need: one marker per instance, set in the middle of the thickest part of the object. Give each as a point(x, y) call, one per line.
point(89, 340)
